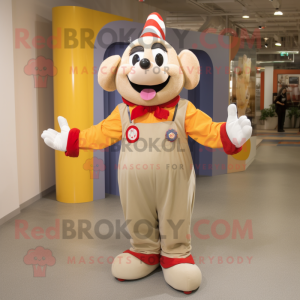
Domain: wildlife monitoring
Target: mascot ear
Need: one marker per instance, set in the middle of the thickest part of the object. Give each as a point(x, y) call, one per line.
point(190, 68)
point(107, 73)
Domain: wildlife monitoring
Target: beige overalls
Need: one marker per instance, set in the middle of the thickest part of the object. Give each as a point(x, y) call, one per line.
point(157, 185)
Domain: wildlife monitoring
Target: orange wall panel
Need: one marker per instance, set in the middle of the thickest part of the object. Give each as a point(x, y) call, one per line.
point(262, 90)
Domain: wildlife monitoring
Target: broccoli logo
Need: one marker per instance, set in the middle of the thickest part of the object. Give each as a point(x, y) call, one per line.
point(40, 68)
point(39, 258)
point(94, 165)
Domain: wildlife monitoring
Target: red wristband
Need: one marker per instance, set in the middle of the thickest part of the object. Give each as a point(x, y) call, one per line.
point(228, 147)
point(73, 143)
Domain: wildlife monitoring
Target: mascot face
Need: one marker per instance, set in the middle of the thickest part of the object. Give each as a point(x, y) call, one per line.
point(150, 72)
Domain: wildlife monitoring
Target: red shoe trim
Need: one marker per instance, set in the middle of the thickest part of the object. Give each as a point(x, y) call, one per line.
point(167, 262)
point(187, 293)
point(228, 147)
point(121, 279)
point(73, 143)
point(149, 259)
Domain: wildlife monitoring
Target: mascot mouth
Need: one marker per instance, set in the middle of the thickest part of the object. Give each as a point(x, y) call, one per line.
point(148, 92)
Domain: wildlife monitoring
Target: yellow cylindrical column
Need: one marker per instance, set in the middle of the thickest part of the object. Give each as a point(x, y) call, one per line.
point(74, 92)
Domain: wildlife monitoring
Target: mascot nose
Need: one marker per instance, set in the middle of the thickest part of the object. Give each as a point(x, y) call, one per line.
point(145, 63)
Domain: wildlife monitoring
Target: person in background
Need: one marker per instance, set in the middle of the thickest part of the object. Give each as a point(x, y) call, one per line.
point(280, 103)
point(274, 97)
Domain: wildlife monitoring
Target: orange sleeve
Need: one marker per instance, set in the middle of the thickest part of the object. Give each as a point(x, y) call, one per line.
point(200, 127)
point(106, 133)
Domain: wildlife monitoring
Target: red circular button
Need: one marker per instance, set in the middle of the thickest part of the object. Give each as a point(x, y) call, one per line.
point(132, 134)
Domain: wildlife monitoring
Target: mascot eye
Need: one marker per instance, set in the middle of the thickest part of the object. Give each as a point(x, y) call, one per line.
point(160, 57)
point(135, 58)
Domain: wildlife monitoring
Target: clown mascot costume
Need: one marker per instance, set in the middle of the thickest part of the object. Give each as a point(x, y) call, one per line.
point(154, 124)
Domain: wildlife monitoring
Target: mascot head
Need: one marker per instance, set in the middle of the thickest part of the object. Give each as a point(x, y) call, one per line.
point(150, 72)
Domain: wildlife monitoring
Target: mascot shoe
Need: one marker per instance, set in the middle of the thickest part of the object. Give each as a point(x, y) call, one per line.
point(132, 265)
point(181, 273)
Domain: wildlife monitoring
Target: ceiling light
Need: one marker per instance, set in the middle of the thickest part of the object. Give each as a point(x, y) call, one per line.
point(266, 42)
point(277, 40)
point(278, 12)
point(245, 13)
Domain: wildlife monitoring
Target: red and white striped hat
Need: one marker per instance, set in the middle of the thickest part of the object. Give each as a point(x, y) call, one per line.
point(154, 26)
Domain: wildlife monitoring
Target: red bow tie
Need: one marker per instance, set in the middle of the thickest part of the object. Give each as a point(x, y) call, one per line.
point(159, 112)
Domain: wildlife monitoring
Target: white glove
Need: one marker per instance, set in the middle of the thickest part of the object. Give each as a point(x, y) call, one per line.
point(239, 130)
point(56, 140)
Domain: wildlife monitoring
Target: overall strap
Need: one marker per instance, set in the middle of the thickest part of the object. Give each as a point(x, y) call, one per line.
point(124, 117)
point(180, 116)
point(175, 112)
point(128, 110)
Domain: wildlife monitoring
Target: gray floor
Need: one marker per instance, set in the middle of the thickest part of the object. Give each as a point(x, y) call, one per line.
point(267, 194)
